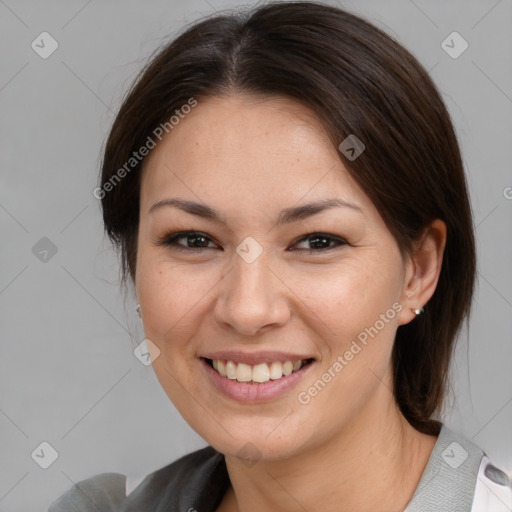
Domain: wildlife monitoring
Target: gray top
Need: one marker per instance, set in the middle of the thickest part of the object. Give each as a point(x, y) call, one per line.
point(199, 480)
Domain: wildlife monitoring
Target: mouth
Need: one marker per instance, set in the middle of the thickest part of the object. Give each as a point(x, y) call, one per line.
point(259, 382)
point(258, 374)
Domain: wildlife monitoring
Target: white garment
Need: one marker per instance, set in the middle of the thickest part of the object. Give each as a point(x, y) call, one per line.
point(491, 496)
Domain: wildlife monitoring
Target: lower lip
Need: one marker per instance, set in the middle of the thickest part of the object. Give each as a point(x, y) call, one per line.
point(254, 393)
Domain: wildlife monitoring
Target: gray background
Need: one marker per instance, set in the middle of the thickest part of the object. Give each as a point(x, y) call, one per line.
point(67, 372)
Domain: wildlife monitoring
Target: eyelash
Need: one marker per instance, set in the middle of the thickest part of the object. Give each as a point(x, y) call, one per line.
point(170, 240)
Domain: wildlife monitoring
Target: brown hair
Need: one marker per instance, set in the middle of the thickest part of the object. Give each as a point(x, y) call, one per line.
point(358, 80)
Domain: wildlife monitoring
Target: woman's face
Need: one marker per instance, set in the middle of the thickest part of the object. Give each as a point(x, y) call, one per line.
point(259, 285)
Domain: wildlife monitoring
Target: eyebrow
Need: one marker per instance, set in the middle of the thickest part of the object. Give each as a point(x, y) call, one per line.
point(286, 216)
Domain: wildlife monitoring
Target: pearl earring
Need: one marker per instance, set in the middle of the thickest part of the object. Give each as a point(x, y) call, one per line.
point(418, 311)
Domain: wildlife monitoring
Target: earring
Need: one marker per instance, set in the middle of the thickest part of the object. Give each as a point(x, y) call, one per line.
point(138, 310)
point(418, 311)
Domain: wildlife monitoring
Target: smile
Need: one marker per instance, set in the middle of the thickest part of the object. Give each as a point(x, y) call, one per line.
point(256, 383)
point(256, 374)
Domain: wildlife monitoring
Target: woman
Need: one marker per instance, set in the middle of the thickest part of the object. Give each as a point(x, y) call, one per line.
point(288, 195)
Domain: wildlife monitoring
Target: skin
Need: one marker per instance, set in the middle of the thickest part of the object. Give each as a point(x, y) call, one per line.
point(249, 158)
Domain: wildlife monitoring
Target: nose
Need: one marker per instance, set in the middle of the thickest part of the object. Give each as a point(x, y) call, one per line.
point(252, 298)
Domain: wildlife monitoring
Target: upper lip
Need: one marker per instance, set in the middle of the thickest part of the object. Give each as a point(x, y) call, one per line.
point(253, 358)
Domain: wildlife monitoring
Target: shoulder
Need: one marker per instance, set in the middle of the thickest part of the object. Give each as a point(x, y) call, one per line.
point(491, 487)
point(108, 491)
point(493, 490)
point(459, 477)
point(195, 481)
point(105, 492)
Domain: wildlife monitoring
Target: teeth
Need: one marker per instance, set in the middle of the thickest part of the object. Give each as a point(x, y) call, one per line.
point(297, 365)
point(259, 373)
point(276, 370)
point(287, 368)
point(243, 373)
point(231, 370)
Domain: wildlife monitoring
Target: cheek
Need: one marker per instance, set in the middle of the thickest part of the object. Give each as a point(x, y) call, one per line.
point(355, 319)
point(350, 296)
point(174, 296)
point(174, 299)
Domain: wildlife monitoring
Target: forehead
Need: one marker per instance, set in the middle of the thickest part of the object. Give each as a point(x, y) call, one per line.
point(243, 147)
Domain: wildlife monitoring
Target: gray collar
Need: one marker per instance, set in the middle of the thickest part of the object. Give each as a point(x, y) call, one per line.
point(449, 479)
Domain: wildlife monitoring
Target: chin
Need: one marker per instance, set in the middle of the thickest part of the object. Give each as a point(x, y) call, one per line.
point(257, 444)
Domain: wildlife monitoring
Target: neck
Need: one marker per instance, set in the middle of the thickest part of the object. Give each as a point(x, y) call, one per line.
point(375, 463)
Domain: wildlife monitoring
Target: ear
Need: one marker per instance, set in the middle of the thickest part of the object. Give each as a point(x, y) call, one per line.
point(422, 270)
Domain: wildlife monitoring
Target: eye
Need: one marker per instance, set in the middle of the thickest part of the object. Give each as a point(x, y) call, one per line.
point(199, 241)
point(321, 242)
point(196, 241)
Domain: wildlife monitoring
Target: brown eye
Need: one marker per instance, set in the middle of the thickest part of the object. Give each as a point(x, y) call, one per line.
point(322, 242)
point(194, 241)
